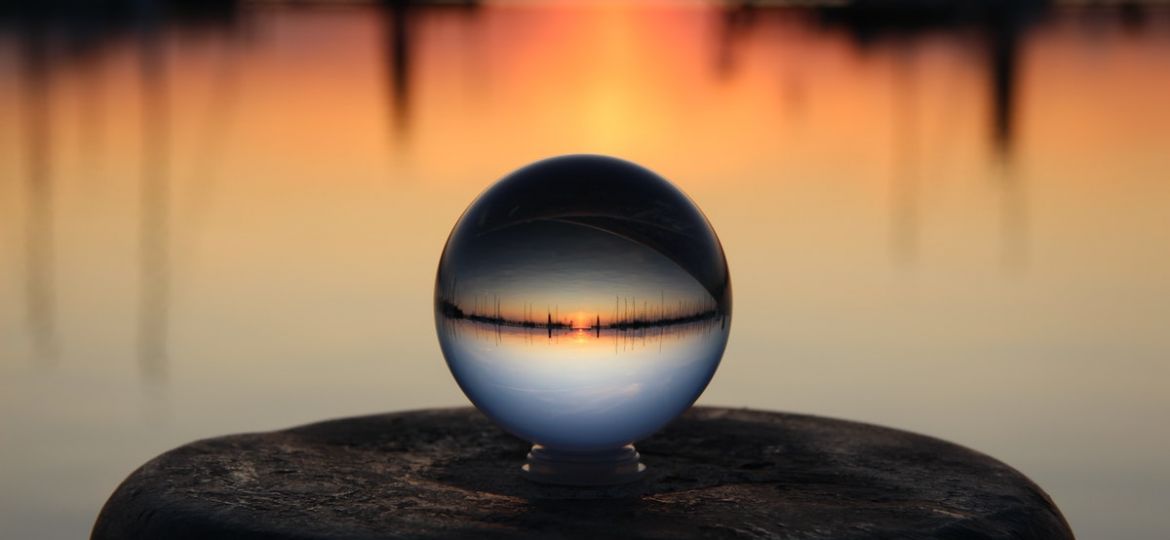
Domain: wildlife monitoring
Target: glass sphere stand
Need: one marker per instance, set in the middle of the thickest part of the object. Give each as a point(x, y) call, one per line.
point(591, 468)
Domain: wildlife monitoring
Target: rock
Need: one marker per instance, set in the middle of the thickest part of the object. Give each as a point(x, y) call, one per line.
point(450, 473)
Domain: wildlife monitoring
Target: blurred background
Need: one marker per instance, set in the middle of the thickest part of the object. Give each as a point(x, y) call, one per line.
point(951, 217)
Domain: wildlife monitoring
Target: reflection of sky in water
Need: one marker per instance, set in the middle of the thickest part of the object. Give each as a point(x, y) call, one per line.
point(888, 251)
point(576, 268)
point(580, 389)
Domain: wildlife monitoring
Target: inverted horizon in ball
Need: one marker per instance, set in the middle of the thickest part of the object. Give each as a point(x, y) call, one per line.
point(582, 302)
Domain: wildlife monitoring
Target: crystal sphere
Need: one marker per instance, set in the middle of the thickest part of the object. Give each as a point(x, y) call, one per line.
point(582, 302)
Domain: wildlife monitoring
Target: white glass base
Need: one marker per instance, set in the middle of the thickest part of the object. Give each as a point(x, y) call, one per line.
point(599, 468)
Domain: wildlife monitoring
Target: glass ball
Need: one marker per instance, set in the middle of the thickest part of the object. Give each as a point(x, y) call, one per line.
point(582, 302)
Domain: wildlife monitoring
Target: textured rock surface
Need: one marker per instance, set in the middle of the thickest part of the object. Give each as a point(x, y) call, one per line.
point(714, 473)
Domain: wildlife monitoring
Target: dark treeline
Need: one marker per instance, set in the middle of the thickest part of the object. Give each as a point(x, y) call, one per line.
point(451, 310)
point(627, 314)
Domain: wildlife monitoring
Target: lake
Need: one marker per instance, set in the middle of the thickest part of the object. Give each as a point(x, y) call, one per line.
point(230, 220)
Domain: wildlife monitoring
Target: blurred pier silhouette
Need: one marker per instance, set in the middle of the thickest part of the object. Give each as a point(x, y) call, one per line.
point(51, 34)
point(55, 33)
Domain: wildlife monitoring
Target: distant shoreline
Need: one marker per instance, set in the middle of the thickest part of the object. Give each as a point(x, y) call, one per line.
point(452, 311)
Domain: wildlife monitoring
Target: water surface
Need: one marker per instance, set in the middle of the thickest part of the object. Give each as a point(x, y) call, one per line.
point(232, 222)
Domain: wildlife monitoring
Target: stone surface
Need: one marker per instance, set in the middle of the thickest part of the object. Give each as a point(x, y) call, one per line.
point(714, 473)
